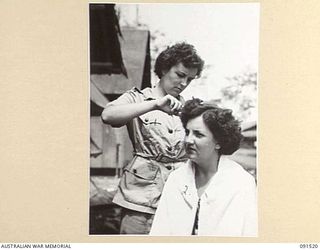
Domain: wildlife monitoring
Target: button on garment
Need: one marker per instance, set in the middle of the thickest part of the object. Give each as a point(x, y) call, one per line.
point(157, 138)
point(169, 167)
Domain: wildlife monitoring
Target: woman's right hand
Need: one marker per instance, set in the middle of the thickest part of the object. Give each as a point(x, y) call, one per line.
point(120, 115)
point(169, 104)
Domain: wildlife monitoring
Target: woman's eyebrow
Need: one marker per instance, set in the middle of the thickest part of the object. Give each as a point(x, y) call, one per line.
point(198, 131)
point(185, 74)
point(182, 72)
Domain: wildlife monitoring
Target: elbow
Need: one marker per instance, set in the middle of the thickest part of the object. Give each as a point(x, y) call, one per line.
point(107, 118)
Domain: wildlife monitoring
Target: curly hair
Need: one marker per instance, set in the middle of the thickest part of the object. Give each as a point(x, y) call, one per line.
point(224, 127)
point(178, 53)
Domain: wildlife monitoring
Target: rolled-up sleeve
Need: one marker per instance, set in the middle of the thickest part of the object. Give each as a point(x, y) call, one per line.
point(128, 97)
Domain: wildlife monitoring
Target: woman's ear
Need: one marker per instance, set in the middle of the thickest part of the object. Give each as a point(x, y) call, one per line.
point(164, 71)
point(217, 146)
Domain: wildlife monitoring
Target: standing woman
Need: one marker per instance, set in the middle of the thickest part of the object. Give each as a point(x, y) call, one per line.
point(156, 134)
point(211, 195)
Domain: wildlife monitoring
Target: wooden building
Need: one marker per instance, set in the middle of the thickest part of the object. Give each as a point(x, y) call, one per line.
point(119, 61)
point(111, 76)
point(246, 155)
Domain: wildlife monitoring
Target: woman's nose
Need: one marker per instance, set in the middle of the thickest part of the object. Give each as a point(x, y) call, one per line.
point(184, 82)
point(188, 139)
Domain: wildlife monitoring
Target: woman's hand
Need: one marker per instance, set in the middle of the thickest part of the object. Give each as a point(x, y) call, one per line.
point(120, 115)
point(169, 104)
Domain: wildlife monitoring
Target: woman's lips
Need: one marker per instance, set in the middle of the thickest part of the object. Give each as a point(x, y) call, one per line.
point(190, 150)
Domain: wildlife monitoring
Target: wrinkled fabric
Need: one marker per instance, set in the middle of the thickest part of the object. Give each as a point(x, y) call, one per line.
point(157, 139)
point(227, 206)
point(134, 222)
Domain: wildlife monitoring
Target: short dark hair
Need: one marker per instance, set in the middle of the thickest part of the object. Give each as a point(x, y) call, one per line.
point(224, 127)
point(178, 53)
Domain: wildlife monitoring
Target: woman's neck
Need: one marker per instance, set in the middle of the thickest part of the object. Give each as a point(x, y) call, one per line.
point(209, 166)
point(158, 91)
point(204, 172)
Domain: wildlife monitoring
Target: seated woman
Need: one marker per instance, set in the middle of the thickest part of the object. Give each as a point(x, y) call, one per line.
point(212, 195)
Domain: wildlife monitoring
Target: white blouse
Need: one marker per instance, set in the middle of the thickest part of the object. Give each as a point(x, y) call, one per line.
point(228, 206)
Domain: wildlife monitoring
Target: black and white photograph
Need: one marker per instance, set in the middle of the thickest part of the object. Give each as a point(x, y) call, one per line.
point(160, 124)
point(173, 119)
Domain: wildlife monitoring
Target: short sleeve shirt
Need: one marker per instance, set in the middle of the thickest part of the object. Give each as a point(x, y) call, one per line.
point(155, 135)
point(155, 132)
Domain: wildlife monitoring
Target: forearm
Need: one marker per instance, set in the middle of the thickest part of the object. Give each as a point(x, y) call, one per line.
point(119, 115)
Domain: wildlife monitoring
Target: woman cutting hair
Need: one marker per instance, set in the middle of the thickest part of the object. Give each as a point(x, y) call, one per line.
point(156, 133)
point(212, 195)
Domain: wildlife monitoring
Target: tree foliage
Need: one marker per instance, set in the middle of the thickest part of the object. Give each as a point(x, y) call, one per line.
point(241, 94)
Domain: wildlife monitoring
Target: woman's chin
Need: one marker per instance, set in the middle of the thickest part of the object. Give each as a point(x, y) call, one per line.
point(175, 93)
point(192, 156)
